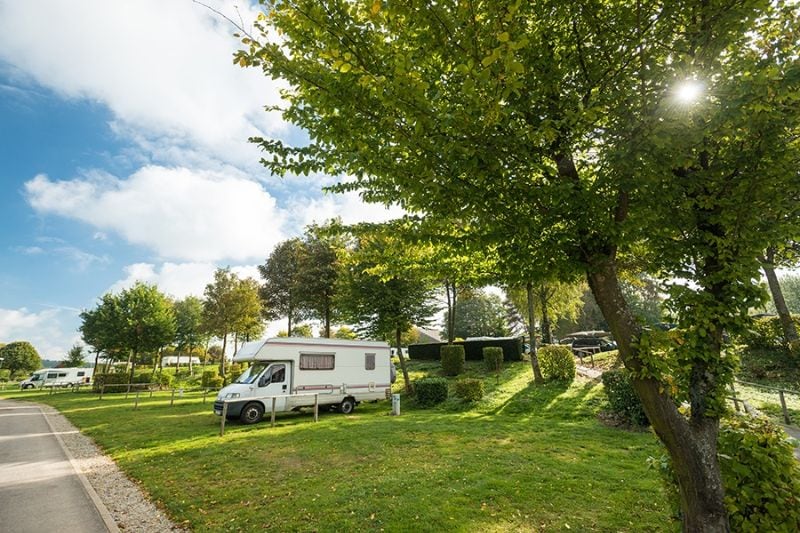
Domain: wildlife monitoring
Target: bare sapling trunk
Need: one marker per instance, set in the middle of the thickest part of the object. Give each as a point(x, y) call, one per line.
point(547, 337)
point(409, 387)
point(96, 361)
point(222, 359)
point(327, 320)
point(787, 324)
point(537, 373)
point(691, 443)
point(132, 363)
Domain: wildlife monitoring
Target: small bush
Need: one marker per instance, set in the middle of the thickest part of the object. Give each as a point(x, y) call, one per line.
point(759, 472)
point(430, 391)
point(234, 371)
point(470, 389)
point(557, 363)
point(5, 374)
point(493, 358)
point(208, 377)
point(622, 399)
point(767, 332)
point(452, 359)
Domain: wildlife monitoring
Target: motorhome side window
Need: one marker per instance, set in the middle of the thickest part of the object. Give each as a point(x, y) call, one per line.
point(369, 361)
point(278, 374)
point(316, 361)
point(81, 374)
point(52, 375)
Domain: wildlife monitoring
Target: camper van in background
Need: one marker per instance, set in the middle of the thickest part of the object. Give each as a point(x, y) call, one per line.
point(341, 373)
point(58, 377)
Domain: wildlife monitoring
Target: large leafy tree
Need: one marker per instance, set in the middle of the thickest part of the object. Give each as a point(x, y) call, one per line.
point(479, 314)
point(249, 310)
point(584, 112)
point(281, 292)
point(382, 293)
point(75, 357)
point(317, 276)
point(220, 308)
point(189, 331)
point(20, 356)
point(100, 329)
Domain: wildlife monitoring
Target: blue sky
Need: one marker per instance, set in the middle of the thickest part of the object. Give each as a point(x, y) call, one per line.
point(123, 157)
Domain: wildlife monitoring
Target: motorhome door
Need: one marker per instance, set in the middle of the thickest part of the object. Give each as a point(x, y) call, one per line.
point(275, 382)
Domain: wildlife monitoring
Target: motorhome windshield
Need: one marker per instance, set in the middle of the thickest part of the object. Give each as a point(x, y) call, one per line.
point(35, 377)
point(252, 373)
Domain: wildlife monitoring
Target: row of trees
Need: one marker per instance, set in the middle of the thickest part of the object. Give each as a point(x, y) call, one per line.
point(560, 137)
point(136, 324)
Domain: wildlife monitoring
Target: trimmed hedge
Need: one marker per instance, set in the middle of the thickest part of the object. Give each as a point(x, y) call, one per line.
point(430, 391)
point(622, 399)
point(452, 359)
point(120, 378)
point(557, 363)
point(211, 379)
point(767, 332)
point(759, 472)
point(493, 358)
point(473, 350)
point(469, 389)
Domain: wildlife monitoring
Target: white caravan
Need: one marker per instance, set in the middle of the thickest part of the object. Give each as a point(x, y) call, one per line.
point(58, 377)
point(342, 373)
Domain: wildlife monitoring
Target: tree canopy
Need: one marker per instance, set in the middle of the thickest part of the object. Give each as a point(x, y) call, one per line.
point(20, 356)
point(569, 128)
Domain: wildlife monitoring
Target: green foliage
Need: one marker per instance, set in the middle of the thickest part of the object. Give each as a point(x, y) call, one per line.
point(759, 472)
point(317, 276)
point(452, 359)
point(478, 314)
point(20, 356)
point(75, 357)
point(430, 391)
point(493, 358)
point(119, 378)
point(343, 332)
point(557, 363)
point(5, 374)
point(622, 399)
point(211, 378)
point(189, 331)
point(162, 379)
point(469, 389)
point(766, 332)
point(235, 370)
point(281, 291)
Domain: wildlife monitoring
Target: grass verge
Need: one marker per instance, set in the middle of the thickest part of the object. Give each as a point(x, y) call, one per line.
point(525, 458)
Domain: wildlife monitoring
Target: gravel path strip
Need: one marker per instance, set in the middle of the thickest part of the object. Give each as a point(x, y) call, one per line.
point(127, 503)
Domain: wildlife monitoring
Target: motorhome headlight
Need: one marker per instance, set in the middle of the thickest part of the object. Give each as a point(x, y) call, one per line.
point(231, 395)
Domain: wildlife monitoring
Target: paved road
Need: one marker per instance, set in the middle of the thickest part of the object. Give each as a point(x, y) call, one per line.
point(40, 491)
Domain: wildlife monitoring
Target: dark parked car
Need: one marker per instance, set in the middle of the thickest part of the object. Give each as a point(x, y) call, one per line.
point(586, 345)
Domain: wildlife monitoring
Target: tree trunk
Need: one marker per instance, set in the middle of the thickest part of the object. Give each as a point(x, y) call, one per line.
point(789, 329)
point(96, 361)
point(132, 363)
point(222, 360)
point(327, 320)
point(191, 367)
point(409, 387)
point(289, 319)
point(537, 373)
point(547, 337)
point(692, 444)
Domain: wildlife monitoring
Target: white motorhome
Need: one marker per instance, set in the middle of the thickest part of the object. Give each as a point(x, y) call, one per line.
point(342, 373)
point(58, 377)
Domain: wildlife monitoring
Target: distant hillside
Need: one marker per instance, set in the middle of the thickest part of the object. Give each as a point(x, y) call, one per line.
point(49, 363)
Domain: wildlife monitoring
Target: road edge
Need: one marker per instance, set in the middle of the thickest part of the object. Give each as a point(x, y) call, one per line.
point(105, 515)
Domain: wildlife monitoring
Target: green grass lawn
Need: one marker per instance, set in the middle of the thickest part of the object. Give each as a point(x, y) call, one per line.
point(524, 458)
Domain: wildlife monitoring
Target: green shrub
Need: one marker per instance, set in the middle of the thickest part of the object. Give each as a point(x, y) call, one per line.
point(767, 332)
point(470, 389)
point(208, 376)
point(5, 374)
point(234, 371)
point(759, 472)
point(493, 358)
point(120, 378)
point(622, 399)
point(452, 359)
point(557, 363)
point(430, 391)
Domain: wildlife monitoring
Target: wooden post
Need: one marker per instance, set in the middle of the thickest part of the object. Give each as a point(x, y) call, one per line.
point(205, 394)
point(127, 391)
point(136, 402)
point(735, 400)
point(102, 390)
point(783, 406)
point(172, 398)
point(224, 417)
point(316, 407)
point(591, 357)
point(272, 417)
point(151, 390)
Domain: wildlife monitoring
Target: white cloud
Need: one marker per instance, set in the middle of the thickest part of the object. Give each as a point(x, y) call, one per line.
point(178, 280)
point(163, 68)
point(348, 206)
point(179, 213)
point(51, 331)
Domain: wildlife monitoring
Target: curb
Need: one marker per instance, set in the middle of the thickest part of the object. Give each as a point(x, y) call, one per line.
point(108, 520)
